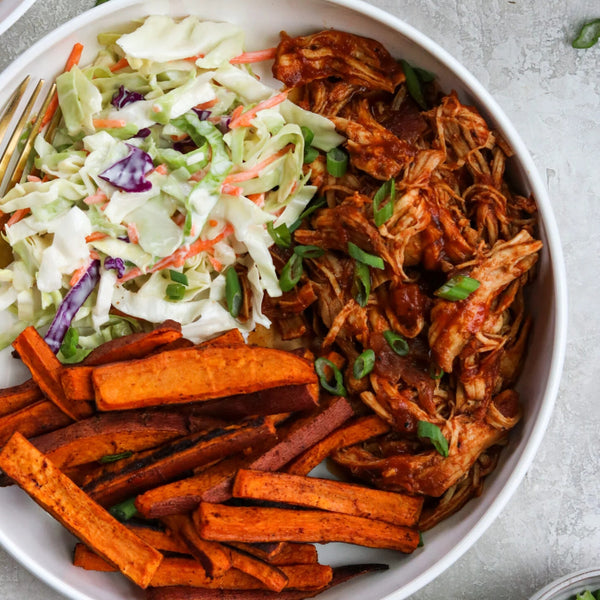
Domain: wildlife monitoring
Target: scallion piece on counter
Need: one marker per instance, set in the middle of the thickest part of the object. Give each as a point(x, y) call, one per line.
point(310, 154)
point(178, 277)
point(109, 458)
point(588, 35)
point(309, 251)
point(413, 84)
point(432, 432)
point(307, 134)
point(322, 365)
point(457, 288)
point(337, 162)
point(382, 212)
point(363, 364)
point(291, 273)
point(175, 291)
point(124, 511)
point(361, 284)
point(364, 257)
point(281, 234)
point(69, 343)
point(233, 292)
point(396, 342)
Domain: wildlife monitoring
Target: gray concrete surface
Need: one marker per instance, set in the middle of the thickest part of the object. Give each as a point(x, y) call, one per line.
point(520, 50)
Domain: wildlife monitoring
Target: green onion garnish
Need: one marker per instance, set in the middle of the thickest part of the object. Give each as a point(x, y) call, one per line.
point(69, 344)
point(588, 35)
point(413, 84)
point(432, 432)
point(281, 234)
point(361, 284)
point(321, 366)
point(337, 162)
point(436, 372)
point(309, 251)
point(396, 342)
point(291, 273)
point(364, 257)
point(421, 542)
point(307, 134)
point(382, 213)
point(309, 210)
point(233, 292)
point(124, 511)
point(363, 364)
point(310, 154)
point(424, 75)
point(109, 458)
point(178, 277)
point(175, 291)
point(457, 288)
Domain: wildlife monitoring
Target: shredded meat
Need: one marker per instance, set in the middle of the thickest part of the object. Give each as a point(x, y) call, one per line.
point(452, 213)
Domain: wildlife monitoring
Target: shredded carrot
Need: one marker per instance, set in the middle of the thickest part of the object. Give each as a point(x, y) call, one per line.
point(19, 214)
point(258, 199)
point(208, 104)
point(178, 258)
point(94, 255)
point(73, 60)
point(193, 58)
point(231, 190)
point(179, 138)
point(245, 119)
point(109, 123)
point(256, 169)
point(213, 222)
point(78, 274)
point(121, 64)
point(216, 265)
point(161, 170)
point(132, 233)
point(198, 175)
point(252, 57)
point(95, 235)
point(33, 179)
point(237, 111)
point(156, 108)
point(96, 198)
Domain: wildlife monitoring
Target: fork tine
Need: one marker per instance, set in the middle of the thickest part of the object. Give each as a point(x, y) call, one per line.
point(11, 106)
point(18, 131)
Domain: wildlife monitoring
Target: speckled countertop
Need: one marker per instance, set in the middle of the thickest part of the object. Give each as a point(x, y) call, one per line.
point(520, 50)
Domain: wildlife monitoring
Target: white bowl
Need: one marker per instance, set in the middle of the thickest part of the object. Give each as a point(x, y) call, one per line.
point(569, 585)
point(43, 547)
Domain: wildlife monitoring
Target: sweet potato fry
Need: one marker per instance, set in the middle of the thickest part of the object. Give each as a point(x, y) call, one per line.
point(118, 481)
point(59, 496)
point(19, 396)
point(214, 557)
point(197, 374)
point(325, 494)
point(38, 418)
point(359, 430)
point(287, 553)
point(45, 370)
point(258, 524)
point(76, 383)
point(272, 577)
point(87, 559)
point(110, 434)
point(162, 540)
point(233, 337)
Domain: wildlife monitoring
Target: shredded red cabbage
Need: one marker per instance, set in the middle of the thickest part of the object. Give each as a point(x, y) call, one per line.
point(143, 133)
point(115, 263)
point(124, 97)
point(202, 114)
point(129, 173)
point(71, 303)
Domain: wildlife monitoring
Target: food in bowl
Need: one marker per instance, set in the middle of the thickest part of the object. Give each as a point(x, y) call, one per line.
point(414, 303)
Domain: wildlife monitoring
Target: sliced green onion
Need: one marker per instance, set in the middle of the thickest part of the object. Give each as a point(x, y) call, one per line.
point(175, 291)
point(233, 292)
point(361, 284)
point(69, 344)
point(424, 75)
point(337, 162)
point(432, 432)
point(291, 273)
point(309, 251)
point(396, 342)
point(457, 288)
point(321, 366)
point(310, 154)
point(309, 210)
point(178, 277)
point(421, 542)
point(281, 234)
point(364, 257)
point(413, 85)
point(363, 364)
point(588, 35)
point(436, 372)
point(382, 213)
point(124, 511)
point(307, 134)
point(109, 458)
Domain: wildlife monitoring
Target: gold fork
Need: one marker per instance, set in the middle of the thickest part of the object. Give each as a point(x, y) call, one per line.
point(14, 159)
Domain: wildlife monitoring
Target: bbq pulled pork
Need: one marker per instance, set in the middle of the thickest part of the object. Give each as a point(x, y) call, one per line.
point(453, 214)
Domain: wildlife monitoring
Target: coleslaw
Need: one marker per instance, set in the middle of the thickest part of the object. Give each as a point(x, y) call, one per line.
point(170, 160)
